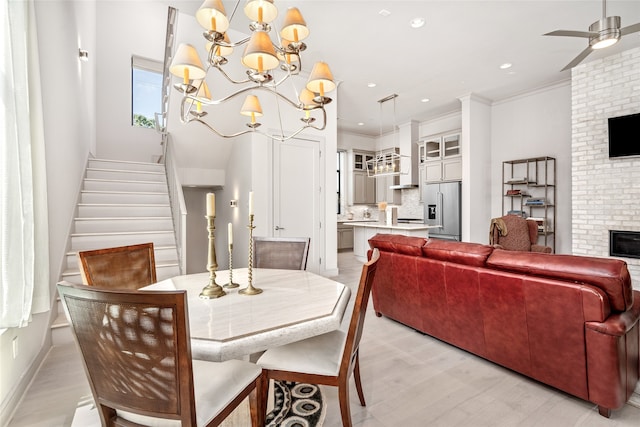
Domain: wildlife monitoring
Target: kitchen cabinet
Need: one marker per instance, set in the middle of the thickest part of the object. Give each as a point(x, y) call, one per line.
point(345, 236)
point(361, 190)
point(360, 159)
point(364, 189)
point(363, 231)
point(441, 158)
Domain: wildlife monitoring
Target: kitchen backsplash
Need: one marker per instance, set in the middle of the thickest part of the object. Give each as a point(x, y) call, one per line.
point(411, 207)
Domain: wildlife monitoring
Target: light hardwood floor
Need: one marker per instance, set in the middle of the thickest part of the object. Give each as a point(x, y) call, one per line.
point(409, 380)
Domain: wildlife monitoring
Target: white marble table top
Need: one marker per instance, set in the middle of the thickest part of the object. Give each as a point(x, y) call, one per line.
point(294, 305)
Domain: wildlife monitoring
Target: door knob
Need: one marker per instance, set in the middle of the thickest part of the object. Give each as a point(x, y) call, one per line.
point(279, 228)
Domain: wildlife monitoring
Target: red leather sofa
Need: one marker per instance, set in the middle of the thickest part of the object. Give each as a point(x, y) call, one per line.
point(568, 321)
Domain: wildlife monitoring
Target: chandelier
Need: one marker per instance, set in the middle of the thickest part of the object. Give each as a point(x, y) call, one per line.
point(387, 162)
point(262, 57)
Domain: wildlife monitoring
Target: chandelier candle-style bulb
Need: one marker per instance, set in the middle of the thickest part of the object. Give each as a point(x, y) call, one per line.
point(251, 107)
point(212, 16)
point(260, 54)
point(294, 26)
point(186, 64)
point(261, 11)
point(321, 81)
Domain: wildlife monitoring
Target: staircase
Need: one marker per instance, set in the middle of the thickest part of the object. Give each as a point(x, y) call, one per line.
point(121, 203)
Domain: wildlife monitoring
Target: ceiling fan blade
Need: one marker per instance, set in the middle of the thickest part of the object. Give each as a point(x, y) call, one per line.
point(630, 29)
point(568, 33)
point(578, 59)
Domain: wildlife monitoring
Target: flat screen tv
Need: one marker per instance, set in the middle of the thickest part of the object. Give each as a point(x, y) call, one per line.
point(624, 136)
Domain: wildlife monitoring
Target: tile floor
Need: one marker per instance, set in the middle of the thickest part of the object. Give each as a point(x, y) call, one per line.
point(409, 380)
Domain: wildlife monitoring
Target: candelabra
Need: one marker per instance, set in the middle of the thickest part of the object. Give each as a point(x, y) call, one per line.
point(231, 284)
point(212, 290)
point(250, 290)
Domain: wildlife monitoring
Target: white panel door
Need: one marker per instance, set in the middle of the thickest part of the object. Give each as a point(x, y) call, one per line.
point(297, 203)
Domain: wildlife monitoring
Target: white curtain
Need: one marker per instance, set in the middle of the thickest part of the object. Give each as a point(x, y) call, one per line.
point(24, 244)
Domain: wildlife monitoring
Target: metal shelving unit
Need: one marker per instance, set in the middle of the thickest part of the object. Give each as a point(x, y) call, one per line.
point(529, 189)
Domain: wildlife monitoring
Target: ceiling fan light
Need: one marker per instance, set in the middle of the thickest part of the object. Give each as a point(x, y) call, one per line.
point(601, 44)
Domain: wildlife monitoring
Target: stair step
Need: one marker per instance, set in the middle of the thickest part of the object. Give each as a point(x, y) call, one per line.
point(102, 210)
point(125, 175)
point(105, 225)
point(124, 185)
point(161, 254)
point(86, 241)
point(123, 197)
point(125, 165)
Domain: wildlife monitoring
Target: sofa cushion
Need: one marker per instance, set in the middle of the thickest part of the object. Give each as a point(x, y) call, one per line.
point(473, 254)
point(407, 245)
point(609, 274)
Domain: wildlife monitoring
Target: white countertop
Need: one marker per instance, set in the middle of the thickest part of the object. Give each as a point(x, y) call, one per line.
point(409, 226)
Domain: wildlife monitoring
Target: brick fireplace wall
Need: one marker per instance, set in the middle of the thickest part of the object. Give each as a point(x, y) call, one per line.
point(605, 192)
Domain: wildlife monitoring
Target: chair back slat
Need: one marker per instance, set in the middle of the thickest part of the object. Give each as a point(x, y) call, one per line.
point(136, 349)
point(123, 267)
point(288, 253)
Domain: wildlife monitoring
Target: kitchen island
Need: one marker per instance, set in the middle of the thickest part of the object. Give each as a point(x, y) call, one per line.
point(363, 231)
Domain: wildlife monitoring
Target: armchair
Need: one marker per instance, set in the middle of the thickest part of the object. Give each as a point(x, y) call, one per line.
point(515, 233)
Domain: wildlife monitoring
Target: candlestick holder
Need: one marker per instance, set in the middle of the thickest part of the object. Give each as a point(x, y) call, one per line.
point(231, 284)
point(250, 290)
point(212, 290)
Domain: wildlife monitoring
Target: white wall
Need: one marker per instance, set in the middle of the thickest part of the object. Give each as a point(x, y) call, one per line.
point(533, 125)
point(69, 113)
point(140, 31)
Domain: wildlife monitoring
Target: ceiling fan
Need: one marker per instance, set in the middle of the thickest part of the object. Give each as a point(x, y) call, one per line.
point(601, 34)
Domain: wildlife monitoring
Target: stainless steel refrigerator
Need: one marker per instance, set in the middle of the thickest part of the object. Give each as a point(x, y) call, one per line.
point(442, 207)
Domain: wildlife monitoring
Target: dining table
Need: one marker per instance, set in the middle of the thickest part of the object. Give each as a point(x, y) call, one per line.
point(293, 305)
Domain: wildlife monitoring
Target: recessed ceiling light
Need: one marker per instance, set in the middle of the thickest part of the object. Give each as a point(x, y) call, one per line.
point(417, 22)
point(371, 85)
point(384, 12)
point(505, 66)
point(360, 124)
point(425, 100)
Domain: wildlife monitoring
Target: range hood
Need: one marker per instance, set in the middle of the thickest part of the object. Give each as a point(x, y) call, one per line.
point(408, 141)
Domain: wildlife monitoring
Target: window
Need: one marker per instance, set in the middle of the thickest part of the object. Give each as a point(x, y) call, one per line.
point(146, 91)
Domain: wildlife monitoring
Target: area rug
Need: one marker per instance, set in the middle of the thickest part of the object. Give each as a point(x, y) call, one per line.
point(296, 405)
point(293, 405)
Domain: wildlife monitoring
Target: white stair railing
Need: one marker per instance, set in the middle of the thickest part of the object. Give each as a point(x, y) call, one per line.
point(178, 206)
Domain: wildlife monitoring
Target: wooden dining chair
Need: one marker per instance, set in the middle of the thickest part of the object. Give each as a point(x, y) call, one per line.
point(136, 351)
point(124, 267)
point(288, 253)
point(327, 359)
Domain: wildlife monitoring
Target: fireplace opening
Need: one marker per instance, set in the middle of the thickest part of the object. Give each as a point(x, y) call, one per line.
point(624, 243)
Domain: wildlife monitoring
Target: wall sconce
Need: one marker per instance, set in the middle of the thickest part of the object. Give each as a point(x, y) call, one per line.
point(83, 55)
point(233, 203)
